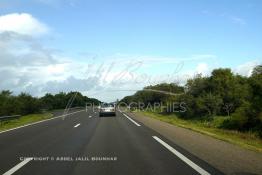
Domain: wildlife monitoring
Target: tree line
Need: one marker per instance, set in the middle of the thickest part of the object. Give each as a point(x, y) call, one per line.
point(223, 93)
point(24, 103)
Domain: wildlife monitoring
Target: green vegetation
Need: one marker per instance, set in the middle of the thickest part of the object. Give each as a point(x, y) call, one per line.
point(212, 128)
point(32, 108)
point(24, 103)
point(5, 125)
point(236, 99)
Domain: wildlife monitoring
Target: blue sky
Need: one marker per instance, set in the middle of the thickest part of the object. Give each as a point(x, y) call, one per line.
point(204, 34)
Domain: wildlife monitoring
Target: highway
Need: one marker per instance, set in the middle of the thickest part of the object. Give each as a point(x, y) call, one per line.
point(84, 143)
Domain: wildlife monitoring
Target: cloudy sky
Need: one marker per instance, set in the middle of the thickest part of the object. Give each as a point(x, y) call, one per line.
point(110, 48)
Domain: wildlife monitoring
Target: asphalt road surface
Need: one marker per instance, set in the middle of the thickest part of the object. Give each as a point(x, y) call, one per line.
point(84, 143)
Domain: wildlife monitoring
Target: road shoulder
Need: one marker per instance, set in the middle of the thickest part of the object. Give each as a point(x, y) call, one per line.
point(228, 158)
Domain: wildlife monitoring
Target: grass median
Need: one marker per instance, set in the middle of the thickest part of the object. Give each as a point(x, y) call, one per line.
point(23, 120)
point(246, 140)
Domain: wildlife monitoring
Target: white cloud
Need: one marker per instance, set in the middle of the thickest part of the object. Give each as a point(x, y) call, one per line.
point(202, 68)
point(37, 70)
point(22, 23)
point(238, 20)
point(246, 68)
point(233, 18)
point(28, 66)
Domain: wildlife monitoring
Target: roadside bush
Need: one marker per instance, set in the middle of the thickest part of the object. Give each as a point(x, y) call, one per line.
point(224, 93)
point(238, 119)
point(26, 104)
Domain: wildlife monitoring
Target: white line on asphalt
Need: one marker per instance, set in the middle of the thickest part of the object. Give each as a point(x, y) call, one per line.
point(132, 120)
point(182, 157)
point(40, 121)
point(77, 125)
point(18, 166)
point(90, 116)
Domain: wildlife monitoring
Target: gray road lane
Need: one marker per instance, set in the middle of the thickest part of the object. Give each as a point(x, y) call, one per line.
point(112, 137)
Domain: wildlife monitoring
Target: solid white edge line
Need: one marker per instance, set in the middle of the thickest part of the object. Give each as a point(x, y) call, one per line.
point(131, 120)
point(77, 125)
point(182, 157)
point(18, 166)
point(40, 121)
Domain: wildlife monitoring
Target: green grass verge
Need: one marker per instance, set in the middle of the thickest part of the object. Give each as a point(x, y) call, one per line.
point(246, 140)
point(5, 125)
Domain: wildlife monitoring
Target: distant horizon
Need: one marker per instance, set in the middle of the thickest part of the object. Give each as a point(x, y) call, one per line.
point(132, 91)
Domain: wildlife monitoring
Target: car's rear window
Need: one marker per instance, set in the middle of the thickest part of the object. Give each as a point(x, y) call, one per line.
point(107, 105)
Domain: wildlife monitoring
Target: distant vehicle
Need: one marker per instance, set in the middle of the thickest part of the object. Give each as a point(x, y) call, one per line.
point(107, 109)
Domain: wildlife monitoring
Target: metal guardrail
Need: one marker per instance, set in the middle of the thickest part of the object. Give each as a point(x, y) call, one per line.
point(9, 117)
